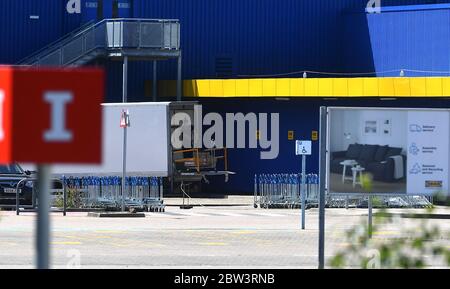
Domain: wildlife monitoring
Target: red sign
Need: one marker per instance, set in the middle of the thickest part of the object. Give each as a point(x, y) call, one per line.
point(125, 119)
point(50, 115)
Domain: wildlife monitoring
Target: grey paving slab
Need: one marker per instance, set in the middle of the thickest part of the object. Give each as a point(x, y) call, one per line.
point(204, 237)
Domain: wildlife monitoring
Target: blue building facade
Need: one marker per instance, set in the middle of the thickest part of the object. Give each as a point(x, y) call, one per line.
point(247, 38)
point(257, 38)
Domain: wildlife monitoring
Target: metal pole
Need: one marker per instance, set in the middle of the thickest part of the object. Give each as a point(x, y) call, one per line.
point(17, 201)
point(155, 80)
point(124, 167)
point(303, 190)
point(179, 81)
point(43, 218)
point(322, 188)
point(64, 199)
point(124, 152)
point(369, 230)
point(161, 190)
point(125, 80)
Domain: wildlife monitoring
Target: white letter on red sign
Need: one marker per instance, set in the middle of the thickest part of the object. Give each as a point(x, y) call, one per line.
point(58, 102)
point(2, 98)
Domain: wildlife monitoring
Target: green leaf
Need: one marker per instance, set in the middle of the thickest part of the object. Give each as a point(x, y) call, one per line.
point(417, 243)
point(338, 261)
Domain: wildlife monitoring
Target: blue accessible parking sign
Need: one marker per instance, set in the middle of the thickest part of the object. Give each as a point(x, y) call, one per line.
point(303, 147)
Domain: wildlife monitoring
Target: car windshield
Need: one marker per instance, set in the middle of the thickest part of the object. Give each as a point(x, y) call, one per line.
point(10, 169)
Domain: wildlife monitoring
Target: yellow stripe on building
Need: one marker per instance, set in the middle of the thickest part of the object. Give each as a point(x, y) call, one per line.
point(309, 87)
point(320, 87)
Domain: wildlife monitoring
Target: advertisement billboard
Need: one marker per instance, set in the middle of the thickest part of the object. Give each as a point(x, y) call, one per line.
point(388, 150)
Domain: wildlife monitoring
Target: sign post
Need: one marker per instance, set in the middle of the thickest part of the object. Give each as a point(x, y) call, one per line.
point(303, 148)
point(369, 222)
point(124, 123)
point(43, 218)
point(46, 118)
point(322, 184)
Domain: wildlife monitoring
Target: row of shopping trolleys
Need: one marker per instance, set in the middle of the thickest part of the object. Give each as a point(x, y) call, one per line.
point(145, 193)
point(284, 190)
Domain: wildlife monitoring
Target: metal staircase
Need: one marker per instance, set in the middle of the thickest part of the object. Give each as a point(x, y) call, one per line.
point(123, 39)
point(142, 39)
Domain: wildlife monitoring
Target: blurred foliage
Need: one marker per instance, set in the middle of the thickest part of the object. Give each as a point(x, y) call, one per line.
point(417, 247)
point(366, 181)
point(74, 199)
point(442, 199)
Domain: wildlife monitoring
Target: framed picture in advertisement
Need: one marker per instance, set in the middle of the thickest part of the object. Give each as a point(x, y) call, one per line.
point(370, 127)
point(386, 128)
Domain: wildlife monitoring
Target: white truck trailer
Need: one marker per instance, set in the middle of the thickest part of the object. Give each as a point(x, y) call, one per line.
point(148, 142)
point(149, 151)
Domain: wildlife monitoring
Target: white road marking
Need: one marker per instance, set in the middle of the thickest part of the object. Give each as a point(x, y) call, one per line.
point(192, 214)
point(266, 214)
point(228, 214)
point(222, 214)
point(295, 214)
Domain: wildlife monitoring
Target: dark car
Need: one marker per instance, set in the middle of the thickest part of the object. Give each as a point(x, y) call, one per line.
point(10, 176)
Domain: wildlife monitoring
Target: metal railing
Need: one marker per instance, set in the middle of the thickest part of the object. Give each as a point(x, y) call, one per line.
point(58, 42)
point(381, 200)
point(284, 190)
point(91, 192)
point(107, 36)
point(57, 187)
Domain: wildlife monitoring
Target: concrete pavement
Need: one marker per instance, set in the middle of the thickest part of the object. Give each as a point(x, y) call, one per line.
point(206, 237)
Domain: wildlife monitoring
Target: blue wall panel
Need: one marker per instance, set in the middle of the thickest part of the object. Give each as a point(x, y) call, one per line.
point(107, 8)
point(356, 47)
point(28, 25)
point(299, 116)
point(413, 38)
point(89, 10)
point(263, 37)
point(125, 8)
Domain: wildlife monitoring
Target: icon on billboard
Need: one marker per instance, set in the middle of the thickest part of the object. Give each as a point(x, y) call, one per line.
point(415, 169)
point(413, 149)
point(415, 128)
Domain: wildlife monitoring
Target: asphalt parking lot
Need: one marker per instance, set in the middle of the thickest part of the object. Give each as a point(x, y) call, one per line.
point(207, 237)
